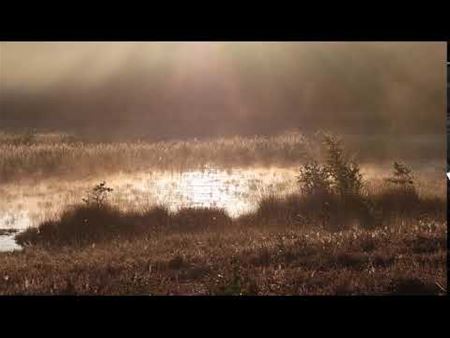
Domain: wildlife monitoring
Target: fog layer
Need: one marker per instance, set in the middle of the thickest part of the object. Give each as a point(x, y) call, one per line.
point(177, 90)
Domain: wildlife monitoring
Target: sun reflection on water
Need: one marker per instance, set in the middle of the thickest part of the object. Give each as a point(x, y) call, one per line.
point(206, 188)
point(237, 191)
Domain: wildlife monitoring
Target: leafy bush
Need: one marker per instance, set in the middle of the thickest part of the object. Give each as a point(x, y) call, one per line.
point(338, 174)
point(314, 179)
point(344, 173)
point(332, 192)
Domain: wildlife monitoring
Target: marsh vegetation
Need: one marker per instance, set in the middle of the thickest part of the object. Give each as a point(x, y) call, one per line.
point(332, 224)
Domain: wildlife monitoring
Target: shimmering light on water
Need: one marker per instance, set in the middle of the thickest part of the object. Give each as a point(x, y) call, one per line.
point(237, 191)
point(7, 243)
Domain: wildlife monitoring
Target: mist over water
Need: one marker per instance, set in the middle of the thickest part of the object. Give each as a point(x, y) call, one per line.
point(180, 90)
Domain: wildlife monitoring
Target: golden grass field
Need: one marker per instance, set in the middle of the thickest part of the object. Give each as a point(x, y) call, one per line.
point(42, 155)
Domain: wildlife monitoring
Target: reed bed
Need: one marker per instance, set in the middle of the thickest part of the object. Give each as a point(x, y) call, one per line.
point(52, 154)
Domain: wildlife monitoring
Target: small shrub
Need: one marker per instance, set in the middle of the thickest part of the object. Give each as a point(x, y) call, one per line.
point(98, 196)
point(401, 176)
point(338, 174)
point(314, 179)
point(345, 174)
point(332, 192)
point(399, 197)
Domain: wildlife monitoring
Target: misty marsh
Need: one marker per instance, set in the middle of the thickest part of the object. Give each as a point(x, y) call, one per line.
point(222, 168)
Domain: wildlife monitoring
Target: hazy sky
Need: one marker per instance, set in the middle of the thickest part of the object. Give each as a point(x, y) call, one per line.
point(209, 89)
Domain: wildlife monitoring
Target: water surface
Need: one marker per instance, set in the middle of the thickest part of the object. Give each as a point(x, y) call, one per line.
point(26, 204)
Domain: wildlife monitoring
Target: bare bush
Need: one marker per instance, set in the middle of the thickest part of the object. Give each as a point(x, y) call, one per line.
point(98, 196)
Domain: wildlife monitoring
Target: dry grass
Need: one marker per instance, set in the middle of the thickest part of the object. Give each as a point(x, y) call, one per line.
point(84, 225)
point(334, 213)
point(249, 260)
point(42, 155)
point(50, 155)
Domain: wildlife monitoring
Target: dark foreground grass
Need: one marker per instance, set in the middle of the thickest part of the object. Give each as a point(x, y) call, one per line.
point(370, 211)
point(87, 224)
point(84, 225)
point(243, 260)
